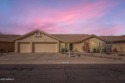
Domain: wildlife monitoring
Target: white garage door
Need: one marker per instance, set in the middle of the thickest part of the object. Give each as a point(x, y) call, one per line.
point(43, 47)
point(24, 47)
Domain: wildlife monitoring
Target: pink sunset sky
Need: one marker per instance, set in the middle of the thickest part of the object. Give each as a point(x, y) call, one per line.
point(100, 17)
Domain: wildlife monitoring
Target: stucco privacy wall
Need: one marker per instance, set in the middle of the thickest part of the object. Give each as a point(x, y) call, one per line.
point(119, 46)
point(7, 46)
point(32, 38)
point(93, 42)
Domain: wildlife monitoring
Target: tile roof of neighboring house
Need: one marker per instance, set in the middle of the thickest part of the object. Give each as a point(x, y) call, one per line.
point(113, 38)
point(8, 38)
point(71, 37)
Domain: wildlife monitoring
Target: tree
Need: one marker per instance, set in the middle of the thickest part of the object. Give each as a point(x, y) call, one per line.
point(108, 47)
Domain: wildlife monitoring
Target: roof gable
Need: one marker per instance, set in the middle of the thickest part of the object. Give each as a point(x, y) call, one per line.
point(33, 32)
point(92, 36)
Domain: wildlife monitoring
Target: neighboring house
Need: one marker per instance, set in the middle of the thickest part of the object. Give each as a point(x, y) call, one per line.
point(118, 42)
point(39, 42)
point(6, 42)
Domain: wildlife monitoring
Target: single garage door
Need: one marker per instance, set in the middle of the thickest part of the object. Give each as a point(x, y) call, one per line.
point(45, 47)
point(24, 47)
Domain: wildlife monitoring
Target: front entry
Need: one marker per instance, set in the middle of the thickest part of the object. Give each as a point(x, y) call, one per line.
point(71, 46)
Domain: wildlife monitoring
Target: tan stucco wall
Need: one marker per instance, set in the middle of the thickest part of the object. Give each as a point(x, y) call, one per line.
point(32, 38)
point(7, 46)
point(78, 46)
point(118, 46)
point(94, 42)
point(62, 46)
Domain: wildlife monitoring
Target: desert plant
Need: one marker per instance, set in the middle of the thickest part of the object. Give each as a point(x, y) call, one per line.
point(108, 45)
point(94, 50)
point(63, 50)
point(86, 47)
point(115, 50)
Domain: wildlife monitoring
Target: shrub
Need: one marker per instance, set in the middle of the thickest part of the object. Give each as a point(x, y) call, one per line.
point(115, 50)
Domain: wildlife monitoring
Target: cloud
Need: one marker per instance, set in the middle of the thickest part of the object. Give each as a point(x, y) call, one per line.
point(86, 11)
point(79, 18)
point(115, 29)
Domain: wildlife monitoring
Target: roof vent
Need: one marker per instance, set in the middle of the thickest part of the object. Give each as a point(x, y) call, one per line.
point(38, 34)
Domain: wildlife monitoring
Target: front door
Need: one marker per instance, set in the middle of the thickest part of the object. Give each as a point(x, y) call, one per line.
point(71, 46)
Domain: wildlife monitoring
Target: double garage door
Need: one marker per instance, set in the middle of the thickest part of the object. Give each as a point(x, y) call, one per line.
point(44, 47)
point(38, 47)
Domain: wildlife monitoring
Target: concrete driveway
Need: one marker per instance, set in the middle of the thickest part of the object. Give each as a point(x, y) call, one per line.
point(57, 58)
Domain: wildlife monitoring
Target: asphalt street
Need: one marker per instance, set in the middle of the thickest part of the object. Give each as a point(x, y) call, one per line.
point(62, 73)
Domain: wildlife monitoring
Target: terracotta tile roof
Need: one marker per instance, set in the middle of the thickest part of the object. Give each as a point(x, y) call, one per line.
point(67, 37)
point(80, 37)
point(8, 38)
point(71, 37)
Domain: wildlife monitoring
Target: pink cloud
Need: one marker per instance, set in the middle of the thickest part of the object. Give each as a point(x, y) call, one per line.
point(68, 20)
point(116, 29)
point(87, 11)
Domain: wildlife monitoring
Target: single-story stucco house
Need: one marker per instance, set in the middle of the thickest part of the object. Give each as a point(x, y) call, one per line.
point(38, 41)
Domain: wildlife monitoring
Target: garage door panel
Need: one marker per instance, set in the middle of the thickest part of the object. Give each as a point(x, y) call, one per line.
point(51, 47)
point(38, 48)
point(24, 47)
point(45, 47)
